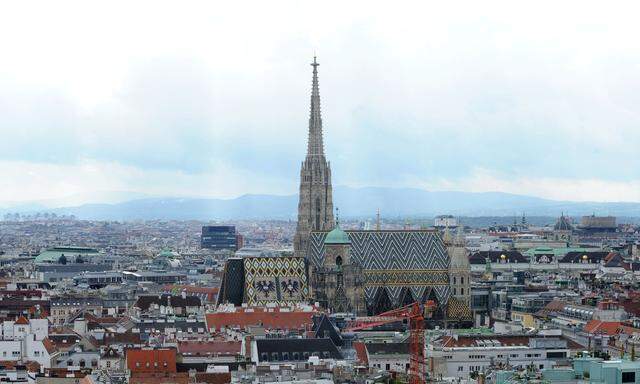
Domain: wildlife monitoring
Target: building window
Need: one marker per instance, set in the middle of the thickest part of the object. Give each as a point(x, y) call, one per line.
point(628, 377)
point(387, 367)
point(108, 364)
point(460, 368)
point(461, 280)
point(454, 280)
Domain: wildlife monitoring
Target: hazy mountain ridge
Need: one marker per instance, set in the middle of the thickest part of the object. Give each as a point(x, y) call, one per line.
point(353, 202)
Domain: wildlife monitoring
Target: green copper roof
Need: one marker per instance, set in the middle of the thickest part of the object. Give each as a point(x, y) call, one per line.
point(167, 253)
point(52, 255)
point(337, 236)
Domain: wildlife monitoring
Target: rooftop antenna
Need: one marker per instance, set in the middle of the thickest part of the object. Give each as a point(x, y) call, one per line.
point(378, 220)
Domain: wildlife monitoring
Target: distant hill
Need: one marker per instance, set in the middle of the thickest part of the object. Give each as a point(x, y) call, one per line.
point(353, 202)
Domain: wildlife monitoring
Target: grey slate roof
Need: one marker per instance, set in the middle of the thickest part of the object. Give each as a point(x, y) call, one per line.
point(288, 349)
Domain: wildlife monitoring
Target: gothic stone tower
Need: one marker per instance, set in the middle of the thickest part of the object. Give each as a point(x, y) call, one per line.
point(338, 283)
point(459, 307)
point(315, 205)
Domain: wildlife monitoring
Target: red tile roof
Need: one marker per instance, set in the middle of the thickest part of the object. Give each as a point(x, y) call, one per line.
point(270, 318)
point(204, 348)
point(628, 330)
point(361, 352)
point(213, 377)
point(49, 346)
point(609, 328)
point(151, 360)
point(31, 366)
point(121, 338)
point(631, 305)
point(22, 321)
point(554, 306)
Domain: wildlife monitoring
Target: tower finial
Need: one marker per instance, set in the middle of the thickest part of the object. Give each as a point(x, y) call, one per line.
point(446, 236)
point(315, 145)
point(337, 217)
point(459, 235)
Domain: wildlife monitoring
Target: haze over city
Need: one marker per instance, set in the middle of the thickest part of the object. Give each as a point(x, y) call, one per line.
point(211, 99)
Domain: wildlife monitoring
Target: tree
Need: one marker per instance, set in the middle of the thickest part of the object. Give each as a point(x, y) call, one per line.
point(62, 260)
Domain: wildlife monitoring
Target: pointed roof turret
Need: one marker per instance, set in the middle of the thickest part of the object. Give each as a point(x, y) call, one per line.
point(446, 236)
point(563, 223)
point(315, 145)
point(459, 240)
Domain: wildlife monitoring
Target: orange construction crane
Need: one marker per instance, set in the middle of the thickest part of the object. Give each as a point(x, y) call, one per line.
point(415, 314)
point(417, 369)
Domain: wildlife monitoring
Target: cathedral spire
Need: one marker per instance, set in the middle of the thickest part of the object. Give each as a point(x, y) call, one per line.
point(315, 204)
point(315, 146)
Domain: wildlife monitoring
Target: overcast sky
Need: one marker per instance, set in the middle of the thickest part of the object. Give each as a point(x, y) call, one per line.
point(212, 99)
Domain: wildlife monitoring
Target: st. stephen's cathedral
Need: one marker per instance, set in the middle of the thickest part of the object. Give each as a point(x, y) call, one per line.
point(359, 271)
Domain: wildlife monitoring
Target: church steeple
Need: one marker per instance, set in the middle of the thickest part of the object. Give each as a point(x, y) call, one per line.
point(315, 207)
point(315, 146)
